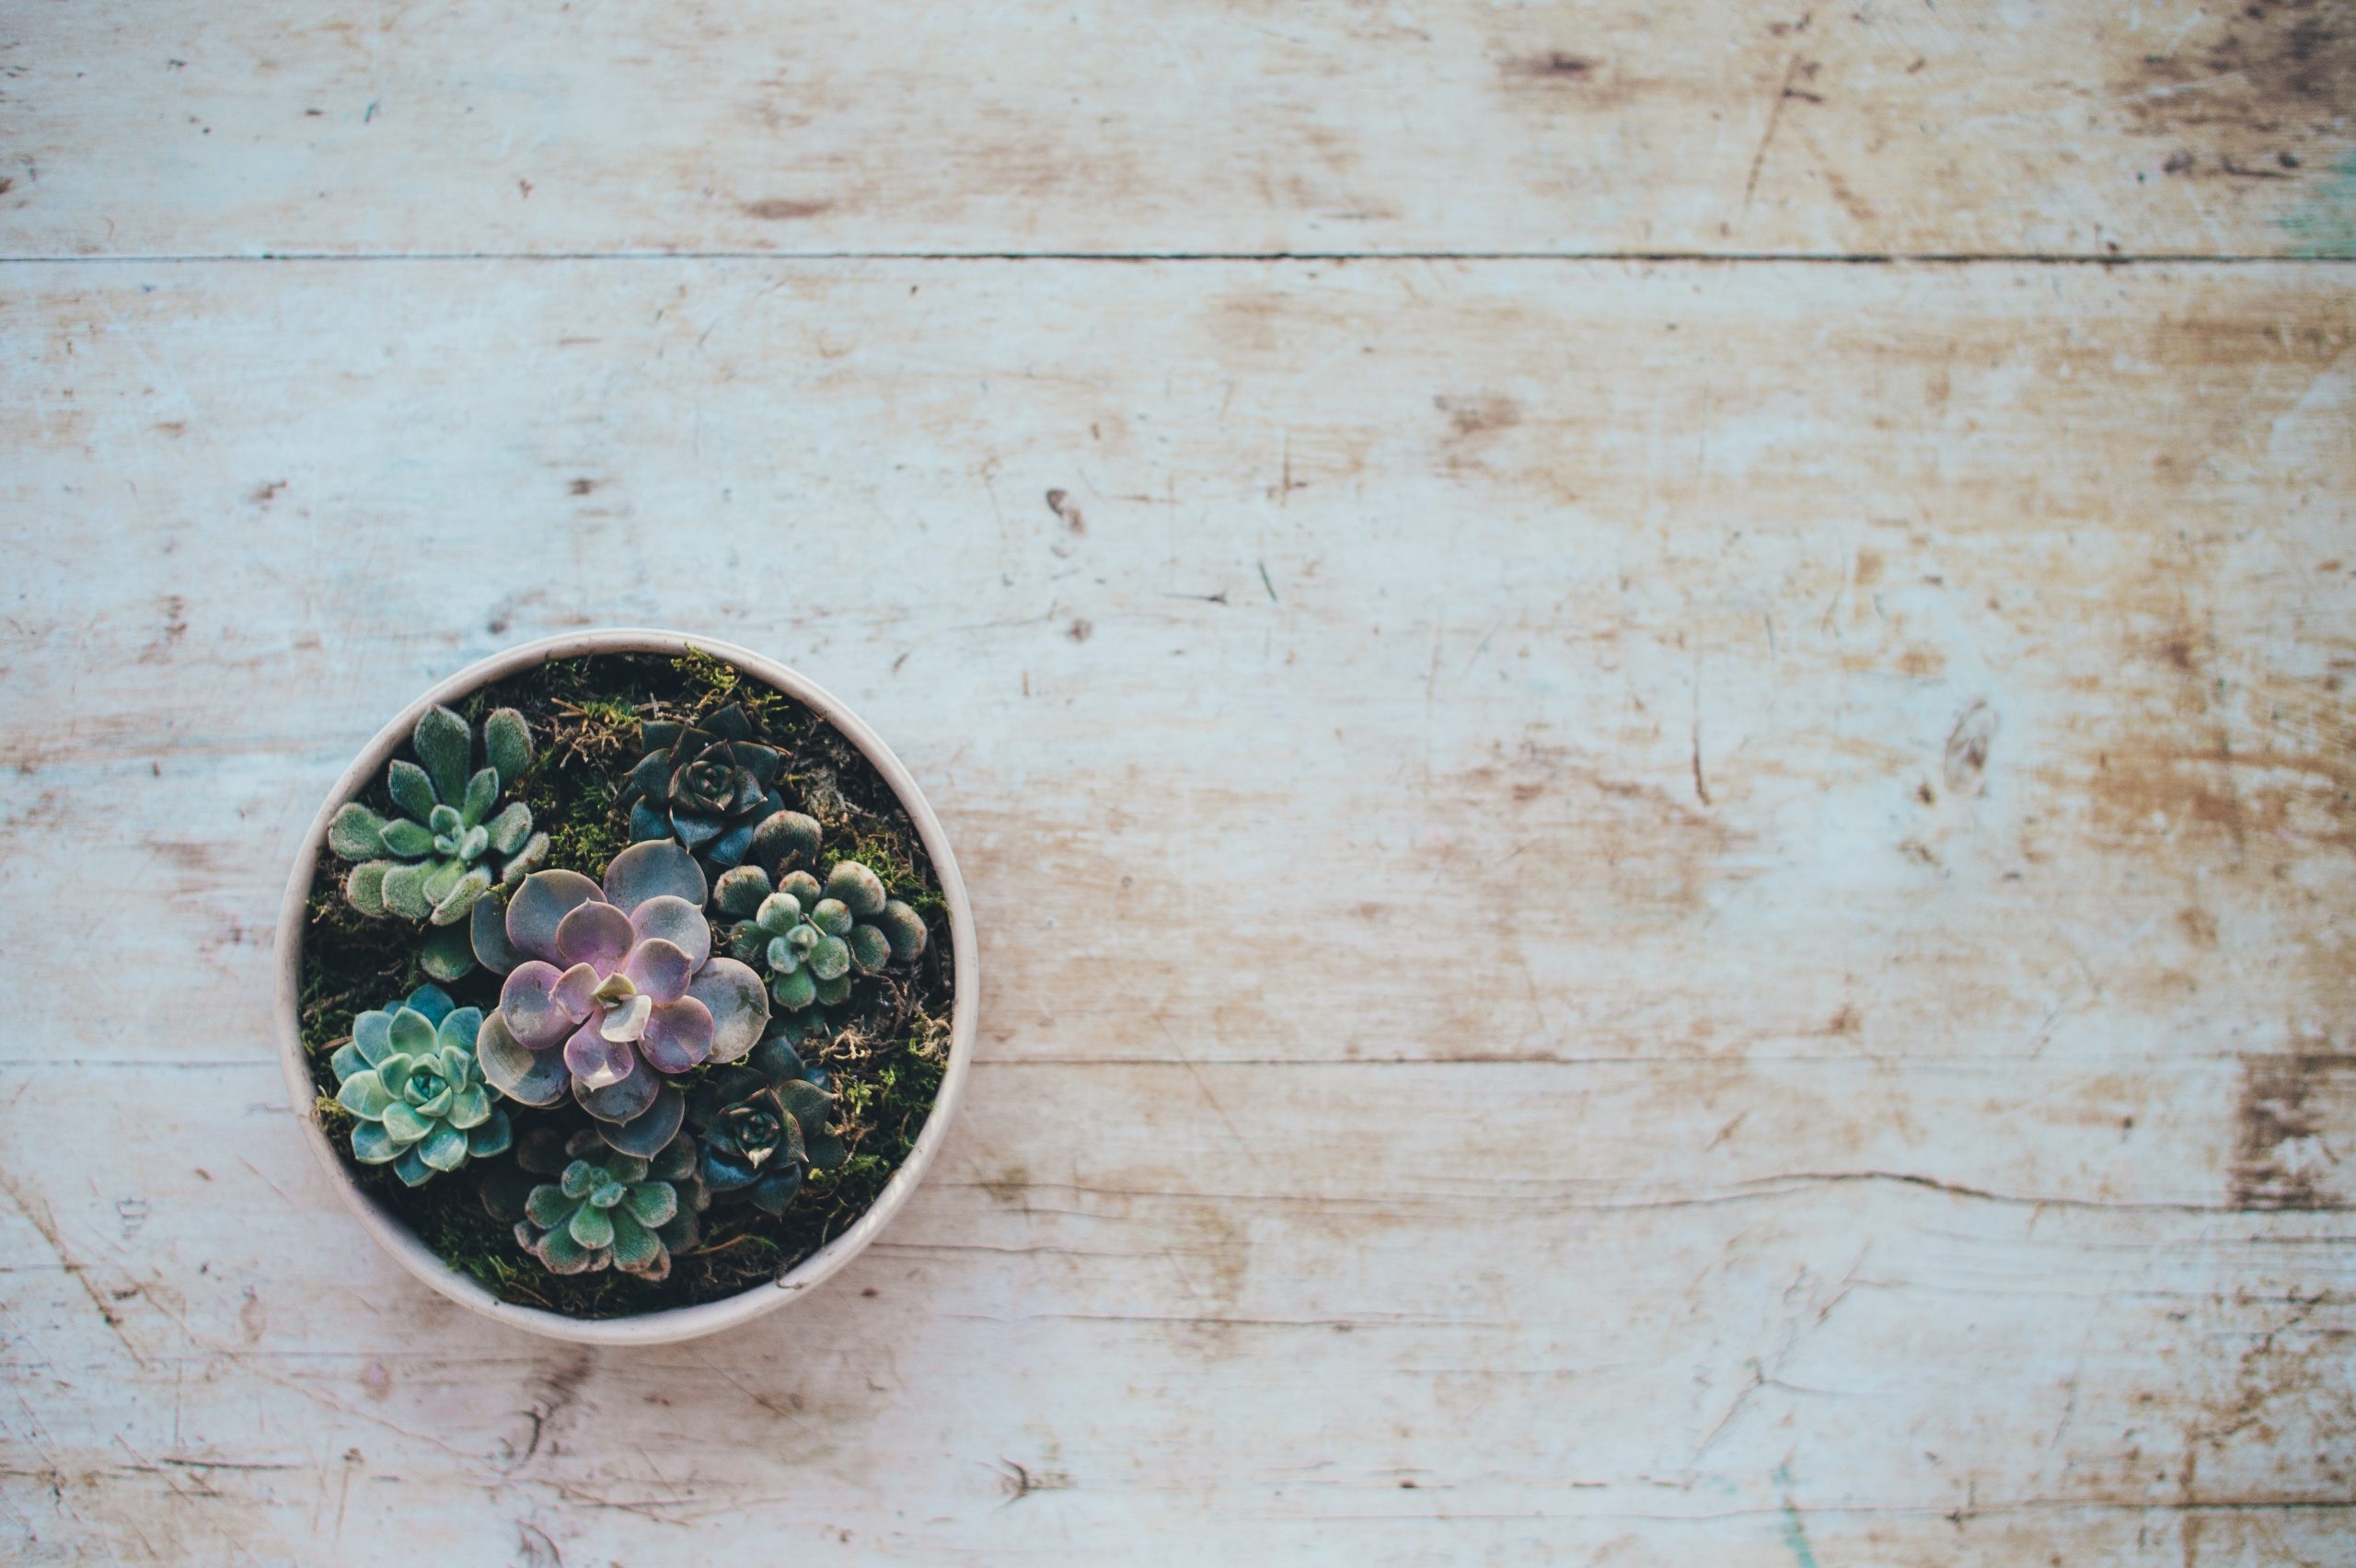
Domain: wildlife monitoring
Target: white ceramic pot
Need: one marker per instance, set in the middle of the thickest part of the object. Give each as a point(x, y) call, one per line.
point(678, 1322)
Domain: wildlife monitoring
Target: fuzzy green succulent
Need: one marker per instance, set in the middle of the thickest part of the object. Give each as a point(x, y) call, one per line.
point(604, 1209)
point(809, 937)
point(710, 784)
point(408, 1077)
point(444, 848)
point(759, 1126)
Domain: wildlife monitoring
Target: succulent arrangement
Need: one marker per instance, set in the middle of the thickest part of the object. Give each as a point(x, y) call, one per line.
point(632, 1026)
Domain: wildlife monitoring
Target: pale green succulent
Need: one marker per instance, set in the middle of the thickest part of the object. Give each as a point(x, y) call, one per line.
point(409, 1077)
point(606, 1209)
point(809, 937)
point(444, 848)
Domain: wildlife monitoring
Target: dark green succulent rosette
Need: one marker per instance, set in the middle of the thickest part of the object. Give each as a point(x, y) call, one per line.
point(710, 784)
point(761, 1126)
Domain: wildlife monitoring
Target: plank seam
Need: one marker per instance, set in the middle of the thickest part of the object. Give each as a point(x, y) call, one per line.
point(1863, 258)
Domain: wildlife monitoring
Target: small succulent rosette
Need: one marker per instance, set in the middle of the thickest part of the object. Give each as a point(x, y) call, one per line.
point(760, 1128)
point(445, 845)
point(808, 937)
point(612, 990)
point(579, 1206)
point(409, 1076)
point(711, 785)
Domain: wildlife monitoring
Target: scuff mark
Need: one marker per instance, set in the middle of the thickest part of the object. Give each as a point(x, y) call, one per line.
point(1794, 1533)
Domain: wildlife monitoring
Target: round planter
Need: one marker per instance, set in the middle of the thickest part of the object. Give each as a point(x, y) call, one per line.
point(680, 1322)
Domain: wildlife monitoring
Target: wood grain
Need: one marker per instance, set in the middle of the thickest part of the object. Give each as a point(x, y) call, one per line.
point(1236, 126)
point(1635, 912)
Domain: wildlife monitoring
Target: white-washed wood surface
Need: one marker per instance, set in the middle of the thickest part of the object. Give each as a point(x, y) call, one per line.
point(1632, 913)
point(2158, 127)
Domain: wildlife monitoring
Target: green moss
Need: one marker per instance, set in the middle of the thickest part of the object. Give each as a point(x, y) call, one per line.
point(885, 1047)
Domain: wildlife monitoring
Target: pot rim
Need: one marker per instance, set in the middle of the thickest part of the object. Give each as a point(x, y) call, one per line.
point(675, 1323)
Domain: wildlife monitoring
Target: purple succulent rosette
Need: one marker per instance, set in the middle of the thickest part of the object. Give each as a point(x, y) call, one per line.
point(611, 990)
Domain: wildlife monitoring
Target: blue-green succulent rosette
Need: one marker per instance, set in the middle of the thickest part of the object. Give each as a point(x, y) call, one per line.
point(410, 1080)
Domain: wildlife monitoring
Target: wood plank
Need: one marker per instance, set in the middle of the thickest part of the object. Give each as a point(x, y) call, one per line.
point(783, 125)
point(1630, 911)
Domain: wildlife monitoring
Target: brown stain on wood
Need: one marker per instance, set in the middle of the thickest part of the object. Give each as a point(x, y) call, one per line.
point(1965, 758)
point(1535, 818)
point(775, 209)
point(1555, 81)
point(2295, 1122)
point(1552, 65)
point(2262, 80)
point(1471, 416)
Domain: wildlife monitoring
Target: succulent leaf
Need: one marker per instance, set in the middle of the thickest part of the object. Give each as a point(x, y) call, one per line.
point(470, 1107)
point(526, 861)
point(740, 891)
point(551, 1207)
point(495, 1137)
point(507, 744)
point(785, 840)
point(355, 833)
point(511, 828)
point(401, 1121)
point(773, 1192)
point(871, 950)
point(363, 1094)
point(647, 1133)
point(830, 960)
point(674, 921)
point(441, 876)
point(541, 905)
point(903, 928)
point(860, 890)
point(372, 1032)
point(445, 743)
point(806, 1103)
point(444, 1148)
point(411, 790)
point(407, 838)
point(364, 886)
point(654, 870)
point(637, 1248)
point(456, 904)
point(590, 1227)
point(728, 848)
point(794, 991)
point(412, 1031)
point(482, 793)
point(403, 889)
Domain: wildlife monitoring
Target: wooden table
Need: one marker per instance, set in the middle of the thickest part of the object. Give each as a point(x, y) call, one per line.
point(1647, 704)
